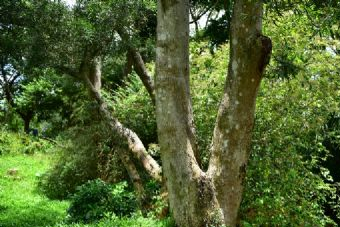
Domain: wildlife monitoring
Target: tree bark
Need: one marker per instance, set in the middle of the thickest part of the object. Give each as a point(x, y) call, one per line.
point(95, 73)
point(213, 198)
point(191, 194)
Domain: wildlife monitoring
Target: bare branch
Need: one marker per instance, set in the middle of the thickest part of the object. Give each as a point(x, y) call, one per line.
point(200, 14)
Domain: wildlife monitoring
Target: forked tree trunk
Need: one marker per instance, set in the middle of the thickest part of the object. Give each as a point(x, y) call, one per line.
point(196, 198)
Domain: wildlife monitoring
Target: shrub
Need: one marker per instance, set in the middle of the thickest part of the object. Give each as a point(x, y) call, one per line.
point(85, 153)
point(73, 168)
point(124, 202)
point(95, 199)
point(133, 107)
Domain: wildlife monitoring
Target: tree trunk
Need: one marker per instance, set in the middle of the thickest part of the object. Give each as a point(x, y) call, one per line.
point(191, 194)
point(197, 198)
point(27, 121)
point(95, 74)
point(249, 54)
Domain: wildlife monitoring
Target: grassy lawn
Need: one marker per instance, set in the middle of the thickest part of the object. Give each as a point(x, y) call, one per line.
point(20, 204)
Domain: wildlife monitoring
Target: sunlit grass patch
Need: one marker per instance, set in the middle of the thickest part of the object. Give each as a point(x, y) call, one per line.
point(20, 203)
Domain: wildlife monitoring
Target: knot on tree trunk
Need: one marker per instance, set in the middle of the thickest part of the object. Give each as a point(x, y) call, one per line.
point(266, 50)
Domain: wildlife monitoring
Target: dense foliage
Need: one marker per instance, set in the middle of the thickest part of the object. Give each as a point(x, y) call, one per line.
point(95, 199)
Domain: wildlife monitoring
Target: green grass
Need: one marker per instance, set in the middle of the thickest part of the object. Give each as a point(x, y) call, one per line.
point(20, 203)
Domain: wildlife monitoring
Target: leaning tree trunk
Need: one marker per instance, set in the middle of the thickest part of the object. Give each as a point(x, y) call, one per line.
point(90, 72)
point(197, 198)
point(191, 194)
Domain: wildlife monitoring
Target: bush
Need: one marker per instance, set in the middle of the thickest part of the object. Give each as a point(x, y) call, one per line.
point(95, 199)
point(85, 153)
point(73, 168)
point(124, 202)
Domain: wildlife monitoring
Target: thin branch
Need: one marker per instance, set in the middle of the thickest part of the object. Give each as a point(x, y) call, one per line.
point(13, 79)
point(139, 67)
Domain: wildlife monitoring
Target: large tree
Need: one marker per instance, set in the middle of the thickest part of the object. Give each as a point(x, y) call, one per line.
point(197, 197)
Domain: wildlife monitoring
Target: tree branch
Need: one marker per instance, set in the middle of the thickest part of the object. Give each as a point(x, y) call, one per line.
point(200, 14)
point(231, 144)
point(134, 175)
point(139, 65)
point(140, 69)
